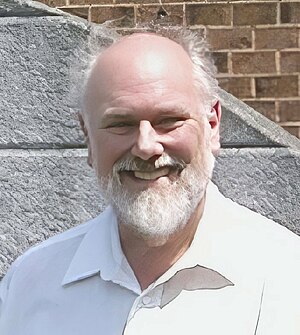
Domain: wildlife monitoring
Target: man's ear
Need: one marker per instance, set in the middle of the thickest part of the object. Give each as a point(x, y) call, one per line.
point(86, 139)
point(214, 121)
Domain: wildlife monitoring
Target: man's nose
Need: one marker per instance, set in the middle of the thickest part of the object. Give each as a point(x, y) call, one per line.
point(147, 144)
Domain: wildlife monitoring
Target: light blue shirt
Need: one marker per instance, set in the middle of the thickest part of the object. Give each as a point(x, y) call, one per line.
point(240, 276)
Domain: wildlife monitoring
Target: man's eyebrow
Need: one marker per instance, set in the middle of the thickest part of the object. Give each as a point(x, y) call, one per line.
point(127, 114)
point(116, 117)
point(115, 114)
point(166, 109)
point(177, 113)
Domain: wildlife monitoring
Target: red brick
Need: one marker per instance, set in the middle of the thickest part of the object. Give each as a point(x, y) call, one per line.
point(253, 62)
point(236, 38)
point(266, 108)
point(54, 3)
point(290, 12)
point(221, 61)
point(221, 0)
point(208, 14)
point(293, 130)
point(144, 2)
point(290, 61)
point(278, 38)
point(78, 11)
point(289, 110)
point(88, 2)
point(152, 13)
point(285, 86)
point(121, 16)
point(254, 14)
point(239, 87)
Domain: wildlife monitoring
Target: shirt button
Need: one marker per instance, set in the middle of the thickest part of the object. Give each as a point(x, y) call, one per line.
point(146, 300)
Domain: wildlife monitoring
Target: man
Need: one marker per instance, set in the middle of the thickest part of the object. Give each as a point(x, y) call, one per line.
point(170, 255)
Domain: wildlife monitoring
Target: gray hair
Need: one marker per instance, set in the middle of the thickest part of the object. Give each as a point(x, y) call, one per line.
point(195, 45)
point(204, 70)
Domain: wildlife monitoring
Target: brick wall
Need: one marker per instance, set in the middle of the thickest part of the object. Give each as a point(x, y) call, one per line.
point(256, 44)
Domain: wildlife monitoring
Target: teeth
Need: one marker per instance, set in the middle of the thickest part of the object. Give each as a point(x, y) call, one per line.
point(151, 175)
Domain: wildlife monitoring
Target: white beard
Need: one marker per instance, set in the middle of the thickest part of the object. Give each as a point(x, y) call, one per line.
point(158, 212)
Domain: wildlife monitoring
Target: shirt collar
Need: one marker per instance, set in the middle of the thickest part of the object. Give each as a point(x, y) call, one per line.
point(100, 252)
point(94, 250)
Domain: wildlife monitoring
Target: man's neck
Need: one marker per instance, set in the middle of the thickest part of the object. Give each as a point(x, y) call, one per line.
point(150, 258)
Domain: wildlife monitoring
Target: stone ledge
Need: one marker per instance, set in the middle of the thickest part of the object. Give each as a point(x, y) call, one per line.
point(36, 109)
point(21, 8)
point(38, 54)
point(242, 126)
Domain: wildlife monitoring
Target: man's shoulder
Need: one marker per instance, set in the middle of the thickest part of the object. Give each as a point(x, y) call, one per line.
point(241, 220)
point(59, 240)
point(250, 237)
point(57, 247)
point(248, 248)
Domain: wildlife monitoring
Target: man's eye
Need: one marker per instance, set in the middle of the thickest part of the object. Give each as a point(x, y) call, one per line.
point(170, 123)
point(119, 127)
point(119, 124)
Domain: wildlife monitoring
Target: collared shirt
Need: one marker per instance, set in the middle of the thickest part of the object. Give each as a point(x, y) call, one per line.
point(241, 275)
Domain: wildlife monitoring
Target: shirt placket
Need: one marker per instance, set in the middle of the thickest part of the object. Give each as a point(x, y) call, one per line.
point(150, 298)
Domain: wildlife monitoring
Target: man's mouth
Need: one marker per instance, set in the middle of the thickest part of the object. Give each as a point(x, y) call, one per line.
point(152, 175)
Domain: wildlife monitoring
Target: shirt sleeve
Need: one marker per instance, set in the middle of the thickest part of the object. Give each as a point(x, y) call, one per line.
point(5, 287)
point(4, 283)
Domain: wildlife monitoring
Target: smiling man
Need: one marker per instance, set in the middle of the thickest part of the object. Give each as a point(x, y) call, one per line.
point(170, 254)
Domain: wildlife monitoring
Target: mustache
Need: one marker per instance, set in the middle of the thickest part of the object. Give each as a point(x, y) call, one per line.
point(137, 164)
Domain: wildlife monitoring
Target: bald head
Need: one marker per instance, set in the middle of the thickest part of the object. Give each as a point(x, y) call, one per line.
point(146, 54)
point(136, 61)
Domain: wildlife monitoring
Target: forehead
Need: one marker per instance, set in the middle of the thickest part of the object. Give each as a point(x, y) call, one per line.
point(138, 69)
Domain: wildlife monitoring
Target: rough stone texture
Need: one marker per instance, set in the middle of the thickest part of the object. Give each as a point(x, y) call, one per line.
point(242, 126)
point(265, 180)
point(43, 192)
point(18, 8)
point(292, 130)
point(35, 53)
